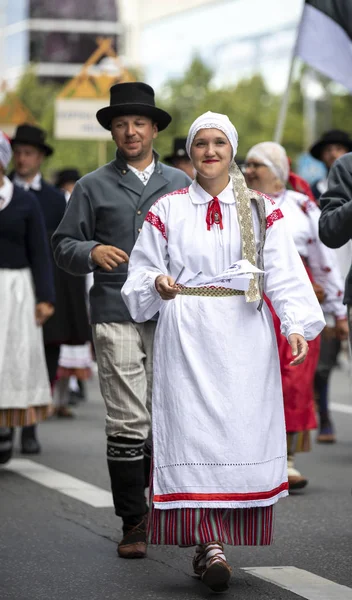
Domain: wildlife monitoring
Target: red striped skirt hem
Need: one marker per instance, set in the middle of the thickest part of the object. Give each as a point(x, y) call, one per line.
point(191, 526)
point(22, 417)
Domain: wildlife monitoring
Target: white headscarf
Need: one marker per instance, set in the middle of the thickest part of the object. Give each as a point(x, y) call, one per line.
point(273, 156)
point(5, 150)
point(211, 120)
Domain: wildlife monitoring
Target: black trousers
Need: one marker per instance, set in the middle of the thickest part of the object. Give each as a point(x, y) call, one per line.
point(52, 353)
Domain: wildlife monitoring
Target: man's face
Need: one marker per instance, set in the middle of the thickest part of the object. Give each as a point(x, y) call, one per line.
point(134, 135)
point(27, 160)
point(332, 152)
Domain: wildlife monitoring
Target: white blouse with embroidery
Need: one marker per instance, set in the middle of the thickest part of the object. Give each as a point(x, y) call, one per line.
point(218, 423)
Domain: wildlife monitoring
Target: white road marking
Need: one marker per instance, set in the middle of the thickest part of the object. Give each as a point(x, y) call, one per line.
point(304, 584)
point(61, 482)
point(342, 408)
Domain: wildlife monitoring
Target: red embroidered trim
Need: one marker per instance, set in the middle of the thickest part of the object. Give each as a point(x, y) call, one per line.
point(156, 222)
point(271, 200)
point(274, 216)
point(221, 497)
point(176, 192)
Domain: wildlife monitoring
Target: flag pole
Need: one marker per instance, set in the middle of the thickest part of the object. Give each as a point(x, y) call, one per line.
point(280, 124)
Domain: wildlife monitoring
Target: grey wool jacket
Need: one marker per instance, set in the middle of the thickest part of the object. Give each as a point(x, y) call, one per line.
point(335, 224)
point(108, 206)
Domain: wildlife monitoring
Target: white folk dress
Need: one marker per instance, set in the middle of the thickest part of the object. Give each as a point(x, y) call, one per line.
point(218, 420)
point(302, 217)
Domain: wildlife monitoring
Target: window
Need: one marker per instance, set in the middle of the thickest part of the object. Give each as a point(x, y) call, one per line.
point(91, 10)
point(48, 46)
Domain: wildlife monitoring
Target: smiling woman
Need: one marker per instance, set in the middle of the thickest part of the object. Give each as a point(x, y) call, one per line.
point(218, 420)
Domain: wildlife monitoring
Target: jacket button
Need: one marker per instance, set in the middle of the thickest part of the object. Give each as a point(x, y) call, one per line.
point(139, 230)
point(139, 212)
point(124, 172)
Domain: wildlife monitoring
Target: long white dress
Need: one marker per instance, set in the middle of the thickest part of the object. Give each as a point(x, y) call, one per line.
point(218, 420)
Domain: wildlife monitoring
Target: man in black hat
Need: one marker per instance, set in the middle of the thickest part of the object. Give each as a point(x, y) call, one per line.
point(29, 152)
point(103, 220)
point(331, 146)
point(327, 149)
point(65, 180)
point(179, 157)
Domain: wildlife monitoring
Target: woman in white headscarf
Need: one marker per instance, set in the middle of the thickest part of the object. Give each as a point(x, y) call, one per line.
point(218, 420)
point(26, 301)
point(268, 170)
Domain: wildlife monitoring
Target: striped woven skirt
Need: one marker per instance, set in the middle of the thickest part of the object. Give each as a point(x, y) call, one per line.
point(191, 526)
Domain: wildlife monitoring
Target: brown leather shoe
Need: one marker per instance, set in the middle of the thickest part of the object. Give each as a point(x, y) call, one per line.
point(297, 482)
point(134, 542)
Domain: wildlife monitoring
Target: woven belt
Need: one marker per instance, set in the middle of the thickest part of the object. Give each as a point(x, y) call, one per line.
point(208, 291)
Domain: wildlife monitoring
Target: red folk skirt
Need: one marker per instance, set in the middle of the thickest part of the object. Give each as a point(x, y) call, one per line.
point(297, 382)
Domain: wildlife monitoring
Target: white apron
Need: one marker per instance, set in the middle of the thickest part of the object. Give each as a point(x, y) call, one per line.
point(218, 419)
point(23, 374)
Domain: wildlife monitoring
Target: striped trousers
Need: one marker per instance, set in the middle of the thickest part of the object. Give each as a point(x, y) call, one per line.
point(124, 354)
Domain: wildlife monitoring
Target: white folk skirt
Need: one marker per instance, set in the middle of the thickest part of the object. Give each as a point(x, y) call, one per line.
point(25, 395)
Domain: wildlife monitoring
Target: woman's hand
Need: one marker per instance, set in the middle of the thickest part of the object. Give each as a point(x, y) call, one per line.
point(166, 288)
point(43, 311)
point(299, 348)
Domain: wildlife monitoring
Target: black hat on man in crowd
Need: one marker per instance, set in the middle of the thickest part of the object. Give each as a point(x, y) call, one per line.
point(334, 136)
point(179, 151)
point(132, 98)
point(32, 136)
point(67, 176)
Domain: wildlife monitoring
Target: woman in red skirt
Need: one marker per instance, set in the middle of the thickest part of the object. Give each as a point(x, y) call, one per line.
point(268, 170)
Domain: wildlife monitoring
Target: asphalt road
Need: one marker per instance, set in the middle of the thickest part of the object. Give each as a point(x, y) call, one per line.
point(54, 547)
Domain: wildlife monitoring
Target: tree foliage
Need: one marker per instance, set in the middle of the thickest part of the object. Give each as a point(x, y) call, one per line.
point(249, 104)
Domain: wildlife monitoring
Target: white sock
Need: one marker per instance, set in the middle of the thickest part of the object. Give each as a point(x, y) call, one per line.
point(209, 551)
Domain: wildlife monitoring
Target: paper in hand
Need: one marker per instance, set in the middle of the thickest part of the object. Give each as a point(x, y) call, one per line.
point(236, 277)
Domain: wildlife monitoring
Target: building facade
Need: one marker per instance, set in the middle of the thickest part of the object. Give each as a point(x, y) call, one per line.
point(55, 36)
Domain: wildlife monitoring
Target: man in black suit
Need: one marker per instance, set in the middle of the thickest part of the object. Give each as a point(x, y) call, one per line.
point(29, 152)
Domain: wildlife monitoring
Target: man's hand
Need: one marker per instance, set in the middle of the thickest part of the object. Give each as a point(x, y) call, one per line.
point(43, 311)
point(108, 257)
point(342, 331)
point(299, 348)
point(166, 288)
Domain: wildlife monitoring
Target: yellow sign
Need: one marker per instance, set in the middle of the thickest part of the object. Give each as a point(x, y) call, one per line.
point(14, 113)
point(77, 103)
point(95, 81)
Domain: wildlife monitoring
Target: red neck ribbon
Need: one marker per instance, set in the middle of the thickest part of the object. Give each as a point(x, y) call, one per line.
point(214, 214)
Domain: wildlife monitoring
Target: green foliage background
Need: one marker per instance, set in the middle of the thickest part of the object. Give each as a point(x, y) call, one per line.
point(249, 105)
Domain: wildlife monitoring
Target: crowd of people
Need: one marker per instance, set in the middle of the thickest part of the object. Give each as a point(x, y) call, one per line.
point(210, 389)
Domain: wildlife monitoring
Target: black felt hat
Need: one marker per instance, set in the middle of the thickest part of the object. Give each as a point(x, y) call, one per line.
point(133, 98)
point(179, 150)
point(33, 136)
point(334, 136)
point(67, 176)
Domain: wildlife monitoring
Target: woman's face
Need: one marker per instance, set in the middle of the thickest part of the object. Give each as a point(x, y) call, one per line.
point(211, 153)
point(260, 177)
